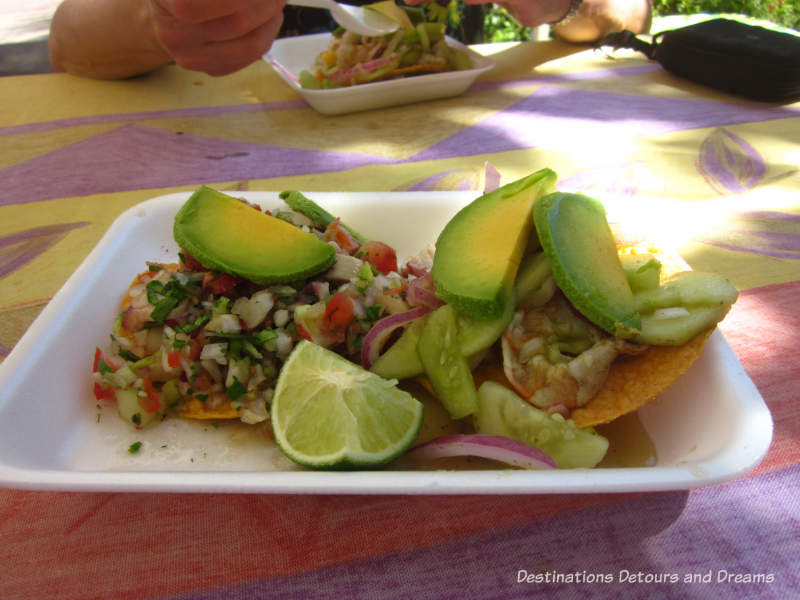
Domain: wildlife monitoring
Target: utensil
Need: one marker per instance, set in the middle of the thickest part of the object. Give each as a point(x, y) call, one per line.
point(357, 19)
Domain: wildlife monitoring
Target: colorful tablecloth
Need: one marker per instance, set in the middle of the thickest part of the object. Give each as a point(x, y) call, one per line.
point(75, 153)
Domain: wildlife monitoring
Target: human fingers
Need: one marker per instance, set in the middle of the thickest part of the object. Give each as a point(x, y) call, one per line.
point(199, 11)
point(225, 57)
point(243, 21)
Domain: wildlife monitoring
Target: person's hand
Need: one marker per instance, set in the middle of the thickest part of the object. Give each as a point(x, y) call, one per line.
point(217, 37)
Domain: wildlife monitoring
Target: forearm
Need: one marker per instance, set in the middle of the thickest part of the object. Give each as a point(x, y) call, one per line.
point(597, 18)
point(104, 39)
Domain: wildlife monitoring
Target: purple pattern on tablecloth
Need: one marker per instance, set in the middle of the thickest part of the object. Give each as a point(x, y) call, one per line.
point(728, 163)
point(673, 533)
point(152, 115)
point(134, 157)
point(209, 111)
point(21, 247)
point(551, 115)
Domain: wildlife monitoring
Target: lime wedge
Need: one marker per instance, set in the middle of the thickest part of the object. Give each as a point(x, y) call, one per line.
point(329, 413)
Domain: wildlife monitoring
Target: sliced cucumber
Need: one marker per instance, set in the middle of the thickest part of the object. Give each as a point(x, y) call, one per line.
point(502, 412)
point(445, 366)
point(643, 271)
point(401, 360)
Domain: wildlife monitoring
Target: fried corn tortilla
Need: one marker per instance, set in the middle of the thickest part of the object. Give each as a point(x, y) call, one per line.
point(633, 381)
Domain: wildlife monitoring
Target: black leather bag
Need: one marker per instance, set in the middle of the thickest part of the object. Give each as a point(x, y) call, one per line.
point(740, 59)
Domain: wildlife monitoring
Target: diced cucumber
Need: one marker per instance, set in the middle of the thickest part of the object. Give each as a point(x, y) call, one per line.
point(502, 412)
point(130, 410)
point(446, 368)
point(308, 81)
point(460, 59)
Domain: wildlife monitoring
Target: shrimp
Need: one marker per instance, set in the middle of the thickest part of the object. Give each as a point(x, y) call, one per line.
point(556, 359)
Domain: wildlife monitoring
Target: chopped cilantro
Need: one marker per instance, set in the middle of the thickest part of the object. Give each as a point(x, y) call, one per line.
point(178, 344)
point(201, 397)
point(374, 312)
point(198, 322)
point(154, 268)
point(134, 447)
point(137, 419)
point(236, 389)
point(103, 368)
point(129, 356)
point(164, 298)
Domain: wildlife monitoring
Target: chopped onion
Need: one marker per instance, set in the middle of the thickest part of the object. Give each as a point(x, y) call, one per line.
point(494, 447)
point(377, 335)
point(420, 292)
point(347, 76)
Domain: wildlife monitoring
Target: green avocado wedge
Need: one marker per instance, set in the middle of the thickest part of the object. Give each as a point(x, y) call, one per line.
point(479, 250)
point(227, 235)
point(580, 247)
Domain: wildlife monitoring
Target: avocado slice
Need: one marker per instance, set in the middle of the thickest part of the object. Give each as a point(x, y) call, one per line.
point(227, 235)
point(580, 247)
point(479, 250)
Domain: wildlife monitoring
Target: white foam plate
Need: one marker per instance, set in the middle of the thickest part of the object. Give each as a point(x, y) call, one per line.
point(711, 426)
point(289, 56)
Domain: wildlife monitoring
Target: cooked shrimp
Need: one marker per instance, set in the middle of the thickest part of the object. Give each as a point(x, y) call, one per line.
point(556, 359)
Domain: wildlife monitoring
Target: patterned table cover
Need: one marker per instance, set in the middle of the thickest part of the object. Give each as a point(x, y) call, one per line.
point(76, 153)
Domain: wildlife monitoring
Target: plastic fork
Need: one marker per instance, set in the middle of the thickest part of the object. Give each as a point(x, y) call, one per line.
point(357, 19)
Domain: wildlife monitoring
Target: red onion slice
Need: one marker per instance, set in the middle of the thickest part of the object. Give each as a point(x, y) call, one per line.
point(377, 335)
point(494, 447)
point(420, 292)
point(491, 178)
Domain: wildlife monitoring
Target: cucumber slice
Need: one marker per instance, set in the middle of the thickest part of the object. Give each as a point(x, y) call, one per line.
point(502, 412)
point(402, 361)
point(446, 368)
point(643, 271)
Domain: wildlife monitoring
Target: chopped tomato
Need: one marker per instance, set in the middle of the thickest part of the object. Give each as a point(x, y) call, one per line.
point(191, 263)
point(381, 256)
point(98, 356)
point(174, 359)
point(202, 382)
point(336, 232)
point(303, 332)
point(221, 283)
point(339, 312)
point(104, 392)
point(194, 349)
point(152, 401)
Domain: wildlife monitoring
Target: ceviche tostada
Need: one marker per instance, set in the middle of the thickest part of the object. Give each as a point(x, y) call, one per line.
point(418, 47)
point(527, 324)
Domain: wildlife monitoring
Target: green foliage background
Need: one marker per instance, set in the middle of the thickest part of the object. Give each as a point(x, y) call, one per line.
point(499, 26)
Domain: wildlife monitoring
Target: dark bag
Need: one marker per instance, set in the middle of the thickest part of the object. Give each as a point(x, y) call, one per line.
point(745, 60)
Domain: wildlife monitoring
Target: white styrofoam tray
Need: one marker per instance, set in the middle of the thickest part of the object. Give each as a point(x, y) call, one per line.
point(289, 56)
point(711, 426)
